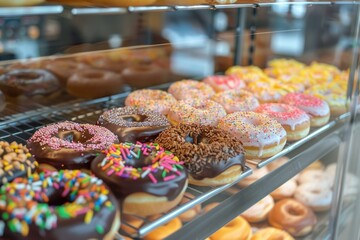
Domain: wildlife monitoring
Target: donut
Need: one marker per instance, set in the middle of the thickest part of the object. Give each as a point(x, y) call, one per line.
point(316, 108)
point(130, 224)
point(277, 163)
point(284, 63)
point(222, 83)
point(16, 3)
point(2, 101)
point(165, 230)
point(294, 120)
point(190, 89)
point(191, 213)
point(261, 135)
point(133, 124)
point(330, 172)
point(104, 62)
point(28, 82)
point(154, 100)
point(121, 3)
point(144, 177)
point(286, 190)
point(144, 75)
point(314, 176)
point(316, 165)
point(293, 217)
point(316, 196)
point(259, 211)
point(64, 69)
point(15, 161)
point(236, 100)
point(69, 145)
point(270, 233)
point(196, 111)
point(246, 73)
point(211, 156)
point(93, 83)
point(236, 229)
point(58, 205)
point(257, 174)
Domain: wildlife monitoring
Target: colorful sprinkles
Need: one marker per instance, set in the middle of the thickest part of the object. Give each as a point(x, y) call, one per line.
point(117, 154)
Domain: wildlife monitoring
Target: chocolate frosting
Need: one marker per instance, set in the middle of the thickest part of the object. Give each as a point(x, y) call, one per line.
point(207, 151)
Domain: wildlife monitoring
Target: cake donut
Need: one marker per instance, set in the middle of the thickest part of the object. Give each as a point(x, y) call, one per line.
point(211, 156)
point(145, 178)
point(132, 124)
point(293, 217)
point(261, 135)
point(236, 100)
point(69, 145)
point(294, 120)
point(15, 161)
point(190, 89)
point(64, 69)
point(165, 230)
point(259, 211)
point(270, 233)
point(316, 108)
point(153, 100)
point(316, 196)
point(236, 229)
point(94, 83)
point(222, 83)
point(58, 205)
point(196, 111)
point(28, 82)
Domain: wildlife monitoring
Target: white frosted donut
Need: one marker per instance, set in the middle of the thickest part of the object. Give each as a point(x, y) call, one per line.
point(286, 190)
point(261, 135)
point(314, 176)
point(259, 211)
point(316, 196)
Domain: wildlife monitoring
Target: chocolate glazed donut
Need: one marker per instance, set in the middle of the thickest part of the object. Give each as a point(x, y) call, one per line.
point(211, 155)
point(132, 124)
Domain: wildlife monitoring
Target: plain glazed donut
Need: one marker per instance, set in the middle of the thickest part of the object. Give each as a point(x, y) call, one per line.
point(316, 196)
point(191, 213)
point(236, 100)
point(211, 156)
point(236, 229)
point(153, 100)
point(69, 145)
point(144, 177)
point(316, 108)
point(64, 69)
point(196, 111)
point(164, 231)
point(286, 190)
point(294, 120)
point(92, 83)
point(190, 89)
point(293, 217)
point(15, 161)
point(144, 75)
point(261, 135)
point(28, 82)
point(259, 211)
point(270, 233)
point(222, 83)
point(58, 205)
point(133, 124)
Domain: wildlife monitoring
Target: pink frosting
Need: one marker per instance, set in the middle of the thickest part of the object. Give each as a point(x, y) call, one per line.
point(223, 83)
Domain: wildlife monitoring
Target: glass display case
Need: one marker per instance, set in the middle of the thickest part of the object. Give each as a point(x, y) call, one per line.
point(193, 42)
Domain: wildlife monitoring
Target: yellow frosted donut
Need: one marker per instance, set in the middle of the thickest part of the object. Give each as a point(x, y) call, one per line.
point(285, 63)
point(248, 73)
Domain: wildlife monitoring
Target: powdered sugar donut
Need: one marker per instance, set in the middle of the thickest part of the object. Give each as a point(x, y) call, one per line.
point(190, 89)
point(236, 100)
point(316, 196)
point(222, 83)
point(294, 120)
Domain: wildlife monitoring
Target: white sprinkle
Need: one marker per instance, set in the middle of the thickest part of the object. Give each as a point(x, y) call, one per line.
point(144, 174)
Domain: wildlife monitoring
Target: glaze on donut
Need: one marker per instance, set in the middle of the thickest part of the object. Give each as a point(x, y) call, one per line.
point(211, 156)
point(15, 161)
point(58, 205)
point(28, 82)
point(222, 83)
point(190, 89)
point(133, 124)
point(294, 120)
point(236, 100)
point(261, 135)
point(153, 100)
point(69, 145)
point(144, 177)
point(165, 230)
point(144, 75)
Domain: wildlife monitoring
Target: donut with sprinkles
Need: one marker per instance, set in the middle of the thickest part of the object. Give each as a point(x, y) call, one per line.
point(145, 178)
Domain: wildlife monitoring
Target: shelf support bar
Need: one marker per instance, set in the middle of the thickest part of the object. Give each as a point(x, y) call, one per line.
point(239, 35)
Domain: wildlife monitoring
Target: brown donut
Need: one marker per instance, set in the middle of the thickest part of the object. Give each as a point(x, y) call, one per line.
point(144, 75)
point(63, 69)
point(92, 83)
point(103, 62)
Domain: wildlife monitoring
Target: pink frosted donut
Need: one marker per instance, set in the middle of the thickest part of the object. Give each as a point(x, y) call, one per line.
point(286, 190)
point(222, 83)
point(190, 89)
point(316, 108)
point(294, 120)
point(153, 100)
point(236, 100)
point(259, 211)
point(261, 135)
point(203, 112)
point(316, 196)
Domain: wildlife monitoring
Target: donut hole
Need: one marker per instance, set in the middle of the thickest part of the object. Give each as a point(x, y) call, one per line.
point(73, 136)
point(134, 118)
point(295, 210)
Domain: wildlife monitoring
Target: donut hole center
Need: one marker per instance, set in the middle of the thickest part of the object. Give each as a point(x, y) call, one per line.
point(55, 197)
point(134, 118)
point(25, 76)
point(140, 160)
point(196, 138)
point(93, 75)
point(315, 191)
point(295, 211)
point(73, 136)
point(277, 108)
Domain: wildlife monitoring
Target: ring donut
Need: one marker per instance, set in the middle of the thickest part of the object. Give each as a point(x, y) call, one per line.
point(236, 100)
point(316, 196)
point(270, 233)
point(190, 89)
